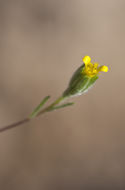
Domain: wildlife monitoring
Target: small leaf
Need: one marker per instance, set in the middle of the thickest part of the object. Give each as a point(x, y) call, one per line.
point(38, 108)
point(61, 106)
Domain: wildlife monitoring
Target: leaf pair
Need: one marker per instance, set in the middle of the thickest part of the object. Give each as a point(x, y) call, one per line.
point(37, 110)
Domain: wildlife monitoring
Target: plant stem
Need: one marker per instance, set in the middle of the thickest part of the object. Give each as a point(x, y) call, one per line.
point(47, 109)
point(14, 125)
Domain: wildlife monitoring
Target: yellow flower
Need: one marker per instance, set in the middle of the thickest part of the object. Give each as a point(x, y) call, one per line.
point(92, 69)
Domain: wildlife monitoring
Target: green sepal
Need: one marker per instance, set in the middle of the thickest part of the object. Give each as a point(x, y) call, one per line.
point(38, 108)
point(79, 83)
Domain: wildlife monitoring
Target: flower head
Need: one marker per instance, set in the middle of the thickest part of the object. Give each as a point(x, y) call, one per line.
point(92, 69)
point(84, 77)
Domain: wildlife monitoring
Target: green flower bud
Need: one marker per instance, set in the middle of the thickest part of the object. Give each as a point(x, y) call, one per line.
point(84, 78)
point(79, 83)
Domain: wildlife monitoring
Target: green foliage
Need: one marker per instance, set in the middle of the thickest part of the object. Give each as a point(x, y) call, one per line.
point(61, 106)
point(38, 108)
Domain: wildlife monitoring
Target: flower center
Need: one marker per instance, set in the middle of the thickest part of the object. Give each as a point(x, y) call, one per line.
point(93, 69)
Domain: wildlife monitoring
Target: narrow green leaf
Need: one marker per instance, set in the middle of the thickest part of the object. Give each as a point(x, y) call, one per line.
point(38, 108)
point(61, 106)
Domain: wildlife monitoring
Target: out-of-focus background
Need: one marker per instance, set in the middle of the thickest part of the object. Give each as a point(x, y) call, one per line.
point(42, 43)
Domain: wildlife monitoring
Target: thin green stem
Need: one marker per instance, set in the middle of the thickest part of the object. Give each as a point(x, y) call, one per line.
point(47, 109)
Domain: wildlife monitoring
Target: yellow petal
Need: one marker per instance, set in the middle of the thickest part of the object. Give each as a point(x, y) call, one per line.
point(95, 65)
point(103, 68)
point(86, 59)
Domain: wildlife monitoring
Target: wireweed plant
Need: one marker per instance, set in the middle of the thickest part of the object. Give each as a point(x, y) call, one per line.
point(83, 78)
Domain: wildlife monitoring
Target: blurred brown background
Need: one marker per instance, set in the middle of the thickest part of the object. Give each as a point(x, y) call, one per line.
point(42, 42)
